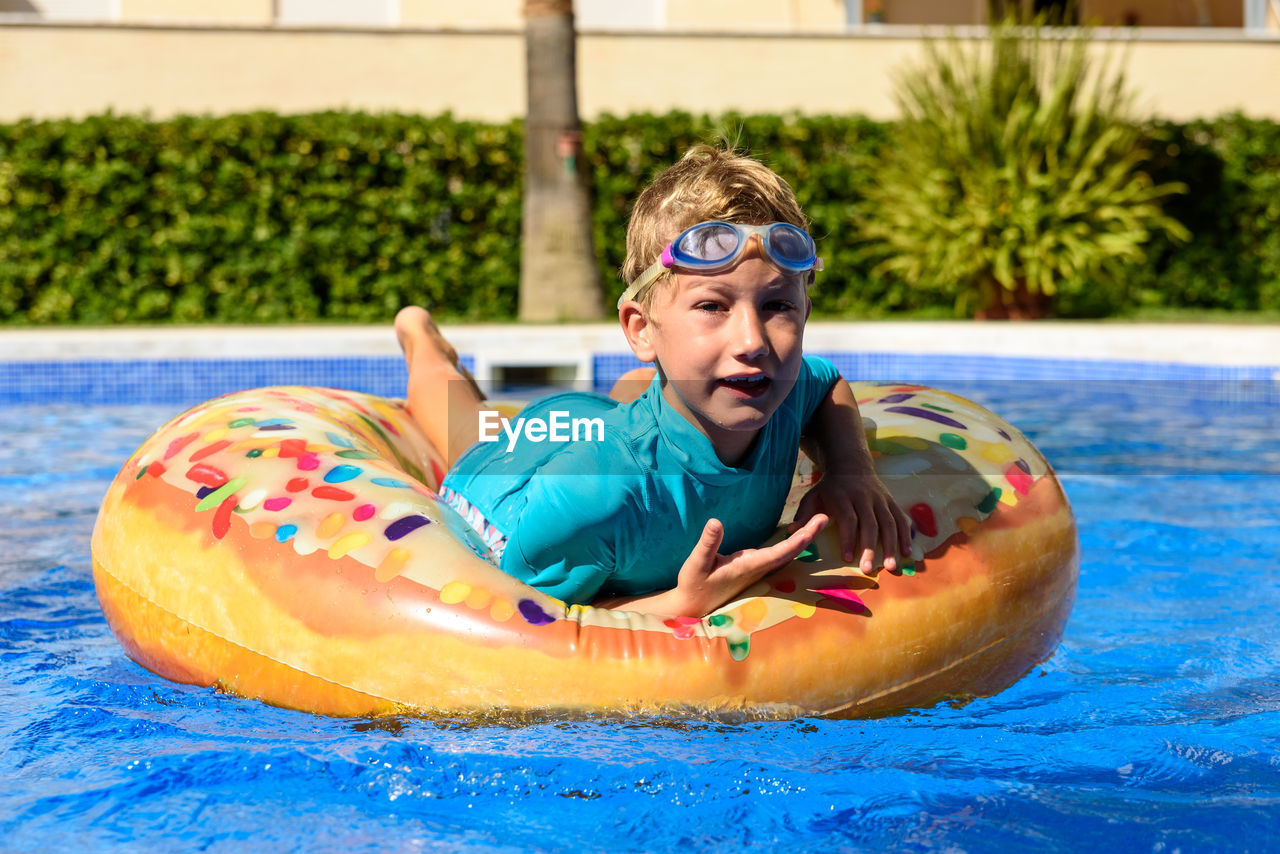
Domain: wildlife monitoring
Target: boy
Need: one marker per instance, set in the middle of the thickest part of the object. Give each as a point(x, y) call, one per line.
point(718, 264)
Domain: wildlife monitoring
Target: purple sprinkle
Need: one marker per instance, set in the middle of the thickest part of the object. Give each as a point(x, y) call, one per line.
point(404, 525)
point(927, 415)
point(1022, 464)
point(1004, 435)
point(896, 398)
point(533, 614)
point(203, 491)
point(276, 427)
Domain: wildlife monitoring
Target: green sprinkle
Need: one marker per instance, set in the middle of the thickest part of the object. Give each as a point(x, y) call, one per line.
point(241, 422)
point(953, 440)
point(935, 408)
point(809, 555)
point(213, 499)
point(356, 455)
point(740, 649)
point(989, 503)
point(255, 453)
point(908, 569)
point(719, 620)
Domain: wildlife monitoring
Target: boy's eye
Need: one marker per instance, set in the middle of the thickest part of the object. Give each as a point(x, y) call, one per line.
point(780, 305)
point(708, 305)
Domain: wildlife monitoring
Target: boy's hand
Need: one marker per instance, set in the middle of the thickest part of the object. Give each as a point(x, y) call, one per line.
point(866, 515)
point(708, 579)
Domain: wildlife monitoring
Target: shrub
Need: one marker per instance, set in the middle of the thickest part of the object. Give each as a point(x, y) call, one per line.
point(1015, 177)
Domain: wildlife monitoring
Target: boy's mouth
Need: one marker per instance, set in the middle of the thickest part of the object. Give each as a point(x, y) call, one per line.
point(747, 385)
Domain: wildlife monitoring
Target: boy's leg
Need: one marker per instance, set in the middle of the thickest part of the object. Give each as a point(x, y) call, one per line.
point(443, 399)
point(632, 384)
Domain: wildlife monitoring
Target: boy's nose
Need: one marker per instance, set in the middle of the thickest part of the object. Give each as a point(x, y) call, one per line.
point(749, 338)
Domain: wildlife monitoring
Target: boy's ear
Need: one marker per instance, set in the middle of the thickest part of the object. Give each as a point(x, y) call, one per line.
point(637, 329)
point(808, 307)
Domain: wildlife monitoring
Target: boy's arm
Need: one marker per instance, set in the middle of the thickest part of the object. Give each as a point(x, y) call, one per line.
point(849, 491)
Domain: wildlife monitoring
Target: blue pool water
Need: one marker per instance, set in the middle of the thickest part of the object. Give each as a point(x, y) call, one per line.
point(1155, 727)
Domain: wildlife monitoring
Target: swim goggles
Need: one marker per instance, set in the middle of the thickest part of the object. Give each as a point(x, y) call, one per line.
point(710, 247)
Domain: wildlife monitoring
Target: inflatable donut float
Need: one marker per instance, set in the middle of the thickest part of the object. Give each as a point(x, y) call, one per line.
point(288, 544)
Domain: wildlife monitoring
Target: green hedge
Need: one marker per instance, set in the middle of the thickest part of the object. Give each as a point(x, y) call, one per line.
point(348, 216)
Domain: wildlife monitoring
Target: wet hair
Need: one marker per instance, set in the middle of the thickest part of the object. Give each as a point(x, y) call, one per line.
point(708, 183)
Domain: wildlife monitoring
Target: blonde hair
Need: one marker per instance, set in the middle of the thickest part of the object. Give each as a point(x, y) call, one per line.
point(708, 183)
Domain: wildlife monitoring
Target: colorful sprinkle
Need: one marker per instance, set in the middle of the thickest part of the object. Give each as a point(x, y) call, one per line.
point(309, 461)
point(989, 503)
point(250, 501)
point(178, 444)
point(720, 620)
point(297, 484)
point(997, 453)
point(285, 533)
point(501, 610)
point(291, 448)
point(922, 515)
point(405, 525)
point(356, 455)
point(953, 440)
point(533, 614)
point(803, 610)
point(683, 631)
point(454, 592)
point(345, 544)
point(809, 555)
point(896, 398)
point(342, 474)
point(339, 440)
point(1019, 478)
point(207, 475)
point(392, 565)
point(274, 504)
point(847, 598)
point(936, 417)
point(389, 481)
point(210, 450)
point(261, 530)
point(332, 493)
point(330, 525)
point(740, 649)
point(240, 422)
point(156, 469)
point(363, 512)
point(222, 517)
point(478, 598)
point(220, 494)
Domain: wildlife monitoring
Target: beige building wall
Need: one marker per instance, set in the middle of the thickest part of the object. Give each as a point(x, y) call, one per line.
point(49, 71)
point(223, 12)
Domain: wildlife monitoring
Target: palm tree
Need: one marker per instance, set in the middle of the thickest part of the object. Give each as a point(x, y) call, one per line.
point(559, 279)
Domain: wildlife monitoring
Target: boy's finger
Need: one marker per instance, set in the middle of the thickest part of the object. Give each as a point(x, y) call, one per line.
point(784, 552)
point(868, 538)
point(712, 536)
point(805, 510)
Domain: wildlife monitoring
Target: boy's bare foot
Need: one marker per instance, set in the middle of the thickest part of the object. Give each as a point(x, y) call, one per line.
point(416, 329)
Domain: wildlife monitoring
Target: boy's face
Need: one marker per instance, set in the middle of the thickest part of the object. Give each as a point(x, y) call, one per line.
point(728, 346)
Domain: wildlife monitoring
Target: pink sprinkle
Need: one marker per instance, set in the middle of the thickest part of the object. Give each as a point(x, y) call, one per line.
point(364, 511)
point(276, 503)
point(843, 594)
point(309, 462)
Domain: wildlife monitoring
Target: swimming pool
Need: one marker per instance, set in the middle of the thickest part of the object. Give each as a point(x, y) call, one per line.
point(1155, 727)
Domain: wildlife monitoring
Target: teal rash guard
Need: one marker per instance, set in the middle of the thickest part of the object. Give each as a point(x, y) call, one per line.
point(617, 514)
